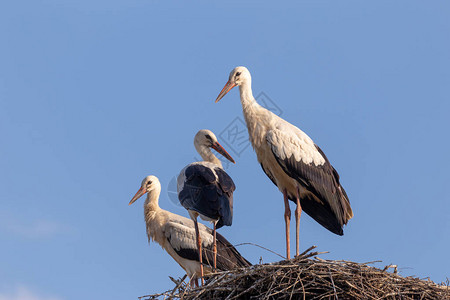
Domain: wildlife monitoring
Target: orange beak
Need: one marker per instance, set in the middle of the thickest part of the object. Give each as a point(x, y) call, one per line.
point(216, 146)
point(138, 195)
point(225, 90)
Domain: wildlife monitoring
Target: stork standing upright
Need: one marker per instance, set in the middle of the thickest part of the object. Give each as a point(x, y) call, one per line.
point(176, 234)
point(205, 189)
point(296, 165)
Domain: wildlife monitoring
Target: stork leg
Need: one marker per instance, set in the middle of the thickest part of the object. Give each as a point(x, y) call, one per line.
point(193, 282)
point(287, 220)
point(298, 213)
point(215, 248)
point(199, 247)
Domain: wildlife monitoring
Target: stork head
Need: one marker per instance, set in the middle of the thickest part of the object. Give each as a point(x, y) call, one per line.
point(206, 138)
point(149, 184)
point(239, 76)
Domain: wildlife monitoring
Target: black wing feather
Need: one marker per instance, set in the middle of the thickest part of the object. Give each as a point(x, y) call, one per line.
point(227, 187)
point(268, 174)
point(187, 253)
point(326, 199)
point(227, 256)
point(206, 195)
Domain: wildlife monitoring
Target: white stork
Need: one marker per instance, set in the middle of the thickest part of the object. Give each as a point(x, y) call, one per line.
point(296, 165)
point(205, 189)
point(176, 235)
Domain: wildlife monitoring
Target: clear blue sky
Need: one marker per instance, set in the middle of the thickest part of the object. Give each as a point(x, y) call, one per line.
point(95, 95)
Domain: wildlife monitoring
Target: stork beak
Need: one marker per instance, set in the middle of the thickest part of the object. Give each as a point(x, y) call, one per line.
point(225, 90)
point(216, 146)
point(138, 195)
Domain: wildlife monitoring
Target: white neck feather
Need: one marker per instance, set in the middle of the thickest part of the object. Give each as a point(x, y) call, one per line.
point(253, 114)
point(152, 215)
point(207, 155)
point(151, 204)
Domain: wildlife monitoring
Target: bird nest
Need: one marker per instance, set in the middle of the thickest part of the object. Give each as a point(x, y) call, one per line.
point(308, 277)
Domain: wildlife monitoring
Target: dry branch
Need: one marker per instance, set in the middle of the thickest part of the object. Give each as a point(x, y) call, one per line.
point(309, 277)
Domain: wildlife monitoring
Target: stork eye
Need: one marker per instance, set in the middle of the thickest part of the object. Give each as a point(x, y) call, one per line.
point(208, 137)
point(238, 73)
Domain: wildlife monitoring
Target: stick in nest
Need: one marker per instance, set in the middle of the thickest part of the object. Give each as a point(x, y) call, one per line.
point(307, 277)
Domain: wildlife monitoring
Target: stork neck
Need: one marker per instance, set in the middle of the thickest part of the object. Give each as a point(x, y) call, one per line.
point(247, 99)
point(151, 204)
point(253, 112)
point(207, 155)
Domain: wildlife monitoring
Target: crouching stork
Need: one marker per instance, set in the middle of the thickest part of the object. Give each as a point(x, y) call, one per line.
point(177, 236)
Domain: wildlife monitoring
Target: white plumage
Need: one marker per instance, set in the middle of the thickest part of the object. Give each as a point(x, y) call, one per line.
point(176, 235)
point(296, 165)
point(286, 142)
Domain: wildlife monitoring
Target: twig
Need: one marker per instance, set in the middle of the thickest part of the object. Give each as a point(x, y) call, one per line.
point(252, 244)
point(319, 279)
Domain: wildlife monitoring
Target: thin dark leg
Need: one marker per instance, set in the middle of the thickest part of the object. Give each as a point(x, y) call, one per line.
point(199, 247)
point(298, 213)
point(287, 220)
point(215, 248)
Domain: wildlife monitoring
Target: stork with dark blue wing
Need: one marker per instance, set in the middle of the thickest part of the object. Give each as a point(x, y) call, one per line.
point(292, 161)
point(206, 190)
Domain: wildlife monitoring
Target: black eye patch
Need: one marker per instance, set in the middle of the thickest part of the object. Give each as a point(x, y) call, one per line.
point(208, 137)
point(238, 73)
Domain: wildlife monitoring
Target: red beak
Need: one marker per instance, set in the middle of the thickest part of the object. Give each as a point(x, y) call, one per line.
point(216, 146)
point(138, 195)
point(225, 90)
